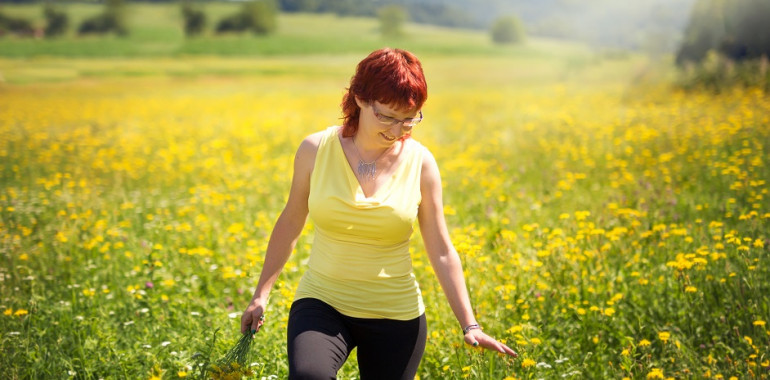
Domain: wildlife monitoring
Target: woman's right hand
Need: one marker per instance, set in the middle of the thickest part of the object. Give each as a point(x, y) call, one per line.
point(254, 317)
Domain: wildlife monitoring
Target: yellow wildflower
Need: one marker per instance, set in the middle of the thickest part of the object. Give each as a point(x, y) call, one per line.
point(526, 363)
point(664, 336)
point(656, 373)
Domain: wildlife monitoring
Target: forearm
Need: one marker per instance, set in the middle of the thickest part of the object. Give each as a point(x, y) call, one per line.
point(282, 242)
point(450, 275)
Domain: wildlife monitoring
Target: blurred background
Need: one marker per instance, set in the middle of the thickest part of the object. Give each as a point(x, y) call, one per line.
point(711, 42)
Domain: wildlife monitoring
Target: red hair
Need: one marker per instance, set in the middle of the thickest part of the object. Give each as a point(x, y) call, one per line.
point(390, 76)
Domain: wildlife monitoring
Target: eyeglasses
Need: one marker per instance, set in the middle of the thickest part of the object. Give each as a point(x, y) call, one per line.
point(406, 124)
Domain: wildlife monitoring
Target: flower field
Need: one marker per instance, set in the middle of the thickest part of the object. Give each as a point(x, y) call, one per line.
point(605, 233)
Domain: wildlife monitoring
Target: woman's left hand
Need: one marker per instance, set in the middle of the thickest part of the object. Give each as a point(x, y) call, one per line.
point(477, 337)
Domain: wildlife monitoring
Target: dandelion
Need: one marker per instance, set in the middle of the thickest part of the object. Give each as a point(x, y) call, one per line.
point(8, 311)
point(655, 373)
point(759, 323)
point(20, 312)
point(526, 363)
point(61, 237)
point(644, 343)
point(609, 311)
point(690, 289)
point(664, 336)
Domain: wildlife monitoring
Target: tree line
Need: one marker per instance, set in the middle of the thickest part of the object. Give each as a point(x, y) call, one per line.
point(726, 43)
point(257, 16)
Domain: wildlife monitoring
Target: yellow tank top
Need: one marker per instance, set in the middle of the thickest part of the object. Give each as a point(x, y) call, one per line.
point(359, 261)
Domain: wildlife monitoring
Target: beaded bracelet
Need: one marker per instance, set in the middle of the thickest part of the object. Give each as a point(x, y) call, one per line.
point(468, 328)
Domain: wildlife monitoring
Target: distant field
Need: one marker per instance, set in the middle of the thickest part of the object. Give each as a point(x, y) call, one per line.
point(156, 30)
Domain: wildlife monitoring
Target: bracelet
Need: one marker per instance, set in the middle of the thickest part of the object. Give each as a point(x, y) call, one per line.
point(468, 328)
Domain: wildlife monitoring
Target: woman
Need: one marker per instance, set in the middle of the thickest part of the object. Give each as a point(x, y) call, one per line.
point(363, 185)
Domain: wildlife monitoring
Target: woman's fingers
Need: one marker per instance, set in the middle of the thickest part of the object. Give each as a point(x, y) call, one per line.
point(257, 323)
point(245, 322)
point(252, 319)
point(481, 339)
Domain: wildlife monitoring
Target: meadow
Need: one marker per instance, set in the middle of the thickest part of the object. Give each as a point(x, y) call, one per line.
point(610, 227)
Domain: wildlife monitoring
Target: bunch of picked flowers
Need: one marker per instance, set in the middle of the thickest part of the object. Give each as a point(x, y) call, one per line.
point(232, 366)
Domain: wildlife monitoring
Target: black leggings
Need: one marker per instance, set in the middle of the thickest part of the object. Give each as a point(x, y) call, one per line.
point(320, 340)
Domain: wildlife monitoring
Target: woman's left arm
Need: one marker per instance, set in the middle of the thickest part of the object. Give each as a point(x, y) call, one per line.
point(444, 258)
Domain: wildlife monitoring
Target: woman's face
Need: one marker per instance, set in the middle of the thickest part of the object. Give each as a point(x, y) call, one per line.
point(386, 123)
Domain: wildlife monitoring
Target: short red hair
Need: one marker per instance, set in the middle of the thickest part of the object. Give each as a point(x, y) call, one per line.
point(390, 76)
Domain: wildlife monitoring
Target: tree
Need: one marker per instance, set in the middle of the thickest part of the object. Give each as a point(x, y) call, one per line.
point(738, 29)
point(392, 19)
point(507, 30)
point(259, 16)
point(263, 15)
point(194, 19)
point(112, 20)
point(14, 25)
point(56, 21)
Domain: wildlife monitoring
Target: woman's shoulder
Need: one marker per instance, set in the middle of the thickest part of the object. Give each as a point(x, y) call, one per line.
point(429, 166)
point(311, 142)
point(421, 151)
point(315, 139)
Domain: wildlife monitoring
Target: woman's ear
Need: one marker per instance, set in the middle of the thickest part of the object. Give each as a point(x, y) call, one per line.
point(360, 102)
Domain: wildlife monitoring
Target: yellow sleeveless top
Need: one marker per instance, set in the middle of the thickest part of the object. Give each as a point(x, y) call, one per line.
point(359, 261)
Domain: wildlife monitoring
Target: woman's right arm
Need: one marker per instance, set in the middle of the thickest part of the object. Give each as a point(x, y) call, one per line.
point(285, 233)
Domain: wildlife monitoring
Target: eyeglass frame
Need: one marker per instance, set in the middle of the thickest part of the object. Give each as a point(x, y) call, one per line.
point(393, 121)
